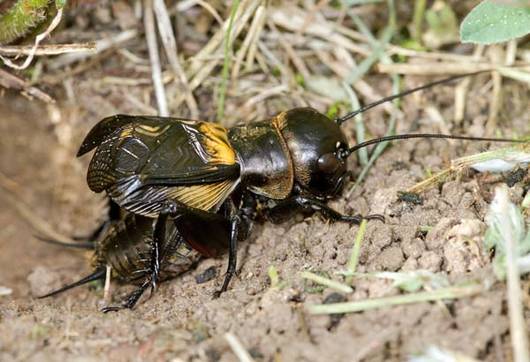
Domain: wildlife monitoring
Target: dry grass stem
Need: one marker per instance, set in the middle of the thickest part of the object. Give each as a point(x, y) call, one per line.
point(102, 45)
point(10, 81)
point(238, 349)
point(156, 73)
point(47, 49)
point(293, 19)
point(437, 68)
point(326, 282)
point(519, 336)
point(496, 55)
point(170, 47)
point(106, 288)
point(201, 69)
point(374, 303)
point(250, 41)
point(462, 89)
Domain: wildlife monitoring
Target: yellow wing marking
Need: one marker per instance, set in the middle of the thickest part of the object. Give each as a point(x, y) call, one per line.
point(280, 121)
point(151, 131)
point(126, 132)
point(205, 197)
point(215, 142)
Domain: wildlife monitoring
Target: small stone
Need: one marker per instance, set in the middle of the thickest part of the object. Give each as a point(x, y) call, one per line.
point(430, 261)
point(207, 275)
point(391, 258)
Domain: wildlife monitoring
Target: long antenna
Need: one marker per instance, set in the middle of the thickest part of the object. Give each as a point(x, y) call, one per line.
point(350, 115)
point(425, 135)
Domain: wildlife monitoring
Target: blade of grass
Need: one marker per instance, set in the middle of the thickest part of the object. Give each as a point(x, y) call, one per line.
point(359, 125)
point(385, 59)
point(507, 229)
point(272, 272)
point(417, 20)
point(354, 258)
point(362, 305)
point(226, 62)
point(378, 47)
point(326, 282)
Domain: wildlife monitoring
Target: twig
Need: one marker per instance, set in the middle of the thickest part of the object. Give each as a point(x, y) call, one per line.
point(56, 20)
point(101, 46)
point(8, 80)
point(150, 35)
point(238, 348)
point(170, 47)
point(47, 49)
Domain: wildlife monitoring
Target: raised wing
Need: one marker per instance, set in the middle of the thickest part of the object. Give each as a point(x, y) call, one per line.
point(188, 161)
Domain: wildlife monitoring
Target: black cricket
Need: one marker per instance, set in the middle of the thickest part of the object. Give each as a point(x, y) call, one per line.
point(204, 182)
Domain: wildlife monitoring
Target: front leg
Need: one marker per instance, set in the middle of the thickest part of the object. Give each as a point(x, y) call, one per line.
point(235, 221)
point(240, 225)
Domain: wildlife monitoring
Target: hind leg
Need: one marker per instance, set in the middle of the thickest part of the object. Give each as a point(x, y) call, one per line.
point(152, 271)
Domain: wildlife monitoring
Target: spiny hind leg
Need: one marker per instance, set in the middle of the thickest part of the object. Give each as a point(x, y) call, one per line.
point(152, 271)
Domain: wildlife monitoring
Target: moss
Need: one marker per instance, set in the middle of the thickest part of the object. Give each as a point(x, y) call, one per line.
point(23, 16)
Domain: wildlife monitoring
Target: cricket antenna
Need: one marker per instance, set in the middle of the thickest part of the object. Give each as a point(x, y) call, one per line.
point(349, 151)
point(350, 115)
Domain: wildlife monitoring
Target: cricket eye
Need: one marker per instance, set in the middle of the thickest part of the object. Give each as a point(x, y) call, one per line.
point(328, 163)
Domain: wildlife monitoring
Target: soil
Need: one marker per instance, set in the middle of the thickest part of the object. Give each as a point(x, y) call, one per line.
point(441, 233)
point(183, 321)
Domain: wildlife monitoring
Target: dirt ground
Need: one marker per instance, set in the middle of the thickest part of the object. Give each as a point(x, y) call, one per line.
point(182, 322)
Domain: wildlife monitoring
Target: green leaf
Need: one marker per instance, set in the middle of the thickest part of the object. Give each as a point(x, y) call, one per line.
point(493, 22)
